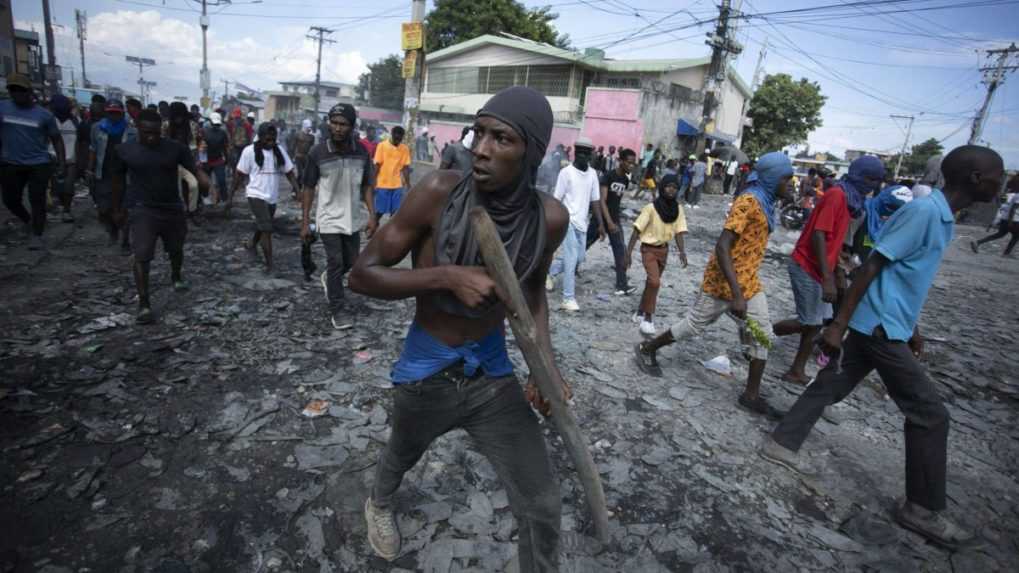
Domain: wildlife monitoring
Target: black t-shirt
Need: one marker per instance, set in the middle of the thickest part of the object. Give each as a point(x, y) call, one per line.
point(215, 141)
point(617, 185)
point(111, 163)
point(152, 173)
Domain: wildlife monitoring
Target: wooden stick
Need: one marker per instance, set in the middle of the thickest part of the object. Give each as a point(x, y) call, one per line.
point(542, 368)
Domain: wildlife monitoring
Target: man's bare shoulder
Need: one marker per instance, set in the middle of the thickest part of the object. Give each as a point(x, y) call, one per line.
point(429, 195)
point(557, 218)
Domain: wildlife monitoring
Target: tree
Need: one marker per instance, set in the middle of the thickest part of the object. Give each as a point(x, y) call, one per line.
point(783, 112)
point(455, 21)
point(915, 163)
point(383, 83)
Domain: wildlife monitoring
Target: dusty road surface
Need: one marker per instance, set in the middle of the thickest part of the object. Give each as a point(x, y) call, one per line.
point(182, 447)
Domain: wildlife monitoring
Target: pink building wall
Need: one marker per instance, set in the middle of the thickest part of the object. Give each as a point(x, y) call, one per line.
point(612, 117)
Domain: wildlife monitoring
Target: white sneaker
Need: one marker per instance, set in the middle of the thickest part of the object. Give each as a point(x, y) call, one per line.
point(325, 285)
point(549, 283)
point(570, 305)
point(383, 534)
point(626, 291)
point(696, 206)
point(647, 328)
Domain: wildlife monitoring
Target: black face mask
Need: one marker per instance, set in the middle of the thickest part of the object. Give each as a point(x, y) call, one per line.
point(583, 160)
point(518, 213)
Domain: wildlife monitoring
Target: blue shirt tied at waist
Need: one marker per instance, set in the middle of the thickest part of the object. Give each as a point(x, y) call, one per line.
point(423, 356)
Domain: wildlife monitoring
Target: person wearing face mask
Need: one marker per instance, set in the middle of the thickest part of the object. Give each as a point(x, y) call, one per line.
point(732, 283)
point(109, 133)
point(578, 189)
point(454, 370)
point(66, 174)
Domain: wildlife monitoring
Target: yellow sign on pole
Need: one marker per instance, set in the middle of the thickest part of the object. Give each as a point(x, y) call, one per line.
point(205, 101)
point(410, 64)
point(413, 36)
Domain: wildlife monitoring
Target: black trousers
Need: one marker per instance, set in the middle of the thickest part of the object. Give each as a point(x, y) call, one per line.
point(504, 429)
point(341, 252)
point(927, 419)
point(618, 251)
point(1004, 228)
point(13, 179)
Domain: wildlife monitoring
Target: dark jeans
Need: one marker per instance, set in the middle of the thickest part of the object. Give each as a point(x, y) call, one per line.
point(927, 419)
point(618, 250)
point(693, 194)
point(503, 428)
point(1004, 228)
point(218, 174)
point(13, 179)
point(341, 252)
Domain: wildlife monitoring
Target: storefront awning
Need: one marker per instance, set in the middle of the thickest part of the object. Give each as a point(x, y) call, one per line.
point(685, 128)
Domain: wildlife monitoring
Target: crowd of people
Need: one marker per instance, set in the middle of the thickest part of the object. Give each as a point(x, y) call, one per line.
point(859, 273)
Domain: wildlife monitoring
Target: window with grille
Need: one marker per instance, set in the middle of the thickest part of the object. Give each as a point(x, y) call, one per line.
point(550, 80)
point(455, 80)
point(680, 92)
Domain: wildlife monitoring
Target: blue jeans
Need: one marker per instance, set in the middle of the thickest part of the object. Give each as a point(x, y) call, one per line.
point(218, 173)
point(573, 254)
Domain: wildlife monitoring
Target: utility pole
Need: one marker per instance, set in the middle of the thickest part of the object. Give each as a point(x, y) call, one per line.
point(909, 132)
point(143, 86)
point(52, 78)
point(81, 23)
point(318, 64)
point(994, 76)
point(415, 53)
point(721, 46)
point(203, 75)
point(754, 84)
point(226, 89)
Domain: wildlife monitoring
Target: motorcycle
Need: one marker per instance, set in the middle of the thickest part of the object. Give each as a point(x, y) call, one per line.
point(792, 215)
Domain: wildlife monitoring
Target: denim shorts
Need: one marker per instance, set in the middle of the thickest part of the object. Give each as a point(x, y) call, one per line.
point(810, 309)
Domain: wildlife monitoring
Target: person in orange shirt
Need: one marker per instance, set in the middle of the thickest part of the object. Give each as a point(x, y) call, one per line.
point(392, 173)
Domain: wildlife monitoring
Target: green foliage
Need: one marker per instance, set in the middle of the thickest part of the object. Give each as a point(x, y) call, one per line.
point(383, 83)
point(784, 112)
point(455, 21)
point(915, 162)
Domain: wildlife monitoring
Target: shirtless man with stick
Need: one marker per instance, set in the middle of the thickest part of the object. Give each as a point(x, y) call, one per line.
point(454, 371)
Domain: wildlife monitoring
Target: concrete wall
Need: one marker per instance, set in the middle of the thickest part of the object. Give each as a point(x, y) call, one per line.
point(728, 114)
point(612, 117)
point(660, 114)
point(444, 131)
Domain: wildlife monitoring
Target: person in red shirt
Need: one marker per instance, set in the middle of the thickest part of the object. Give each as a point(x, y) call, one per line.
point(812, 273)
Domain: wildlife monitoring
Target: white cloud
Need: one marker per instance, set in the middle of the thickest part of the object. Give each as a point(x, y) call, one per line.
point(175, 45)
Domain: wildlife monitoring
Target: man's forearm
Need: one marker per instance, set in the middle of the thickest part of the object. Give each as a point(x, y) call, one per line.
point(634, 237)
point(306, 200)
point(368, 196)
point(393, 284)
point(680, 243)
point(819, 245)
point(597, 214)
point(58, 146)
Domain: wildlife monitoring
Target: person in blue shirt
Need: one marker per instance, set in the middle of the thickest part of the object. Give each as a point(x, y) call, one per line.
point(26, 132)
point(880, 312)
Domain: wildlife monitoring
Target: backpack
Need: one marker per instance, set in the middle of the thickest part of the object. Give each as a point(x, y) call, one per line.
point(239, 137)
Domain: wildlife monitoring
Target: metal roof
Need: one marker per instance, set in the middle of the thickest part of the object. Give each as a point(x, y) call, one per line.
point(603, 64)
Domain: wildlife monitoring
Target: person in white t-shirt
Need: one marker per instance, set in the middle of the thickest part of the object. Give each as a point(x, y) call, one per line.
point(260, 168)
point(62, 109)
point(1006, 220)
point(577, 188)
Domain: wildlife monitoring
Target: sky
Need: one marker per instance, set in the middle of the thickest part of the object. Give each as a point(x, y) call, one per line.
point(901, 57)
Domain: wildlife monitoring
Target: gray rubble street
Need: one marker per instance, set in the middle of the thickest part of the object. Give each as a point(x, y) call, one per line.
point(240, 432)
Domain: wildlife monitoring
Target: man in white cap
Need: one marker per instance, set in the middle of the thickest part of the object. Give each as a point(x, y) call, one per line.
point(577, 188)
point(216, 142)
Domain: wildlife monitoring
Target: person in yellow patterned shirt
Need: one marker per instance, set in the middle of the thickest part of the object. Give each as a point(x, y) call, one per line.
point(731, 282)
